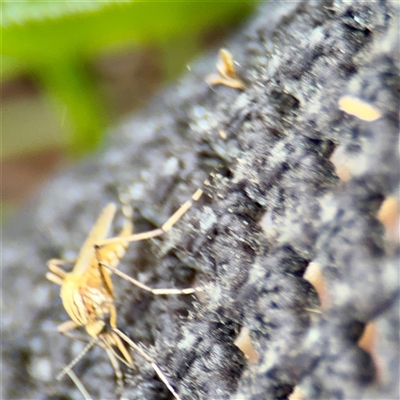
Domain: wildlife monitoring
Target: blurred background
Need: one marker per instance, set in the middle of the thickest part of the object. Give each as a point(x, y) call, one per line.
point(70, 70)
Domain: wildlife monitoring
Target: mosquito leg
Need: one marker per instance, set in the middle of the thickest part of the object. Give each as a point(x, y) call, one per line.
point(148, 288)
point(55, 263)
point(76, 359)
point(67, 326)
point(156, 368)
point(116, 355)
point(61, 261)
point(156, 232)
point(57, 274)
point(54, 266)
point(181, 211)
point(78, 384)
point(110, 339)
point(65, 329)
point(54, 278)
point(117, 369)
point(122, 348)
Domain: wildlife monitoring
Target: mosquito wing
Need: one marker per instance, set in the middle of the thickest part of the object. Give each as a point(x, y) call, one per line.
point(98, 232)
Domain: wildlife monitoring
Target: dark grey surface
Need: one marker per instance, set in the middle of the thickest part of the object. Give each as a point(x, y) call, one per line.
point(297, 59)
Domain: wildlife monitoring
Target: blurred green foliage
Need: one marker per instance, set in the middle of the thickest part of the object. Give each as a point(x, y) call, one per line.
point(55, 40)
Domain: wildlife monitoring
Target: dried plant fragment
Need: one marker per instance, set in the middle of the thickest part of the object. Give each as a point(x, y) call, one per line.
point(222, 134)
point(389, 216)
point(243, 341)
point(227, 72)
point(359, 108)
point(367, 339)
point(340, 160)
point(313, 274)
point(296, 394)
point(367, 342)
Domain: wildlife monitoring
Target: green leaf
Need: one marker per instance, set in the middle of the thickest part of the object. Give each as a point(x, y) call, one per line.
point(56, 39)
point(21, 12)
point(57, 35)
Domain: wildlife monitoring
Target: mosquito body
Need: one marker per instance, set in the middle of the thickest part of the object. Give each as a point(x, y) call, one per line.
point(87, 291)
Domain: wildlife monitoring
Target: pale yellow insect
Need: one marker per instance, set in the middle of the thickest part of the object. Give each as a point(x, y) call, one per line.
point(87, 291)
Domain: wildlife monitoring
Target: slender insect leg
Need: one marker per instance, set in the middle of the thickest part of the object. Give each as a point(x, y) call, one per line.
point(57, 274)
point(156, 232)
point(121, 347)
point(55, 263)
point(61, 261)
point(107, 343)
point(54, 278)
point(117, 369)
point(181, 211)
point(76, 359)
point(151, 290)
point(67, 326)
point(156, 368)
point(78, 384)
point(112, 339)
point(116, 355)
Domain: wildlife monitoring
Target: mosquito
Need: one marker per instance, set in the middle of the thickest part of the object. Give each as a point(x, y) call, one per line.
point(87, 291)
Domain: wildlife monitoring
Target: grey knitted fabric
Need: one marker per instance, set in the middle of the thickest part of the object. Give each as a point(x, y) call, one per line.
point(274, 204)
